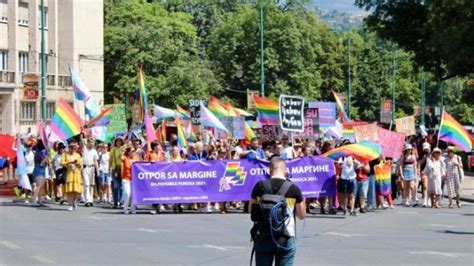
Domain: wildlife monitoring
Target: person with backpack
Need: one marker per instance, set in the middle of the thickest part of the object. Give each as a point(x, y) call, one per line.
point(279, 201)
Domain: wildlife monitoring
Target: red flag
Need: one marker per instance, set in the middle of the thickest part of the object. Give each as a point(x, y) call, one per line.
point(7, 147)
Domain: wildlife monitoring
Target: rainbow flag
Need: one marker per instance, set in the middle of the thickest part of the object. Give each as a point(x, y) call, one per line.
point(216, 107)
point(383, 179)
point(208, 119)
point(80, 89)
point(102, 119)
point(249, 133)
point(242, 112)
point(362, 151)
point(267, 110)
point(142, 98)
point(453, 132)
point(182, 142)
point(65, 122)
point(236, 173)
point(185, 114)
point(344, 116)
point(231, 110)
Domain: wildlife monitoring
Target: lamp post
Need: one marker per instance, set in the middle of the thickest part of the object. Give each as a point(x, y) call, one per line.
point(43, 65)
point(262, 68)
point(349, 85)
point(394, 80)
point(422, 111)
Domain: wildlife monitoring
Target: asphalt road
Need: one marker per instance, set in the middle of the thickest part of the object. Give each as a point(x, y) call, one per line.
point(51, 235)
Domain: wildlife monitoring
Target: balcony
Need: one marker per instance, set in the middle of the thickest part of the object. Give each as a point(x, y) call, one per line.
point(7, 77)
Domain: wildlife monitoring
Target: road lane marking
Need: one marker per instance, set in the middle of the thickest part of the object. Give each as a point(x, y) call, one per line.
point(216, 247)
point(344, 235)
point(102, 218)
point(407, 212)
point(442, 225)
point(152, 230)
point(445, 254)
point(42, 259)
point(9, 244)
point(449, 214)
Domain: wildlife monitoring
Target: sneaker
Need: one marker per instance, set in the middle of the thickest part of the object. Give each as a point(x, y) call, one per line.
point(313, 205)
point(27, 202)
point(48, 197)
point(362, 210)
point(126, 212)
point(323, 211)
point(216, 207)
point(332, 211)
point(344, 212)
point(74, 205)
point(17, 191)
point(207, 209)
point(134, 212)
point(162, 208)
point(415, 204)
point(407, 203)
point(70, 209)
point(153, 212)
point(353, 213)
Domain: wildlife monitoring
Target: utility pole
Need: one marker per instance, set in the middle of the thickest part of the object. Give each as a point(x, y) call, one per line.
point(394, 80)
point(43, 66)
point(262, 68)
point(441, 88)
point(349, 85)
point(422, 111)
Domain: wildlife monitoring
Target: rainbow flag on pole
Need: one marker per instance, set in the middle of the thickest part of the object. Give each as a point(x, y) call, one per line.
point(183, 113)
point(208, 119)
point(142, 98)
point(362, 151)
point(267, 110)
point(344, 116)
point(102, 119)
point(216, 107)
point(65, 122)
point(182, 142)
point(453, 132)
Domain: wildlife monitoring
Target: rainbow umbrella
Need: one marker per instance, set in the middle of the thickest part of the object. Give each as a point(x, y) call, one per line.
point(362, 151)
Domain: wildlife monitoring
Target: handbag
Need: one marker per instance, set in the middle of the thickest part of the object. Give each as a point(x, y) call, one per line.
point(460, 169)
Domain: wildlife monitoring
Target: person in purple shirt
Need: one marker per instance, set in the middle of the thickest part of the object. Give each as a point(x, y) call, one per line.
point(253, 151)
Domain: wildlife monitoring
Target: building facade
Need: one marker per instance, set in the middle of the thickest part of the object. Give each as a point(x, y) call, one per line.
point(73, 36)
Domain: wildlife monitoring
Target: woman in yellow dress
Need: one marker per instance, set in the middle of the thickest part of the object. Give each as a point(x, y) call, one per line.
point(72, 161)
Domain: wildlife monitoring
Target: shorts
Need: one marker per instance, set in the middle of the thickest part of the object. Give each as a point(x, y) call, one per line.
point(361, 189)
point(3, 163)
point(105, 179)
point(408, 174)
point(39, 171)
point(346, 186)
point(60, 176)
point(32, 178)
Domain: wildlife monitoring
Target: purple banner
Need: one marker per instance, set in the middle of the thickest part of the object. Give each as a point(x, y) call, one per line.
point(218, 181)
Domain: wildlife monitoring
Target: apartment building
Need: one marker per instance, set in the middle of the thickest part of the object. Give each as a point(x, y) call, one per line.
point(73, 36)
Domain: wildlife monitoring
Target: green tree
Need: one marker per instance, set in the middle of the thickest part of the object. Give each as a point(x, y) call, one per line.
point(137, 32)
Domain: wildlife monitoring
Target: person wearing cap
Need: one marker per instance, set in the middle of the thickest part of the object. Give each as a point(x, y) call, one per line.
point(72, 161)
point(407, 170)
point(424, 156)
point(453, 165)
point(435, 170)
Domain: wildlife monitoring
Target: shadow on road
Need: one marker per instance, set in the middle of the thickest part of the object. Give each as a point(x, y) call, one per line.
point(456, 232)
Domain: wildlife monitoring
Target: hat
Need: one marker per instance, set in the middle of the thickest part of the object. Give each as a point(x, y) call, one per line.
point(426, 146)
point(451, 148)
point(408, 146)
point(435, 150)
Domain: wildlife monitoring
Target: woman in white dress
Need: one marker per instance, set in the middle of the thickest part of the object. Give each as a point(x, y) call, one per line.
point(453, 164)
point(435, 170)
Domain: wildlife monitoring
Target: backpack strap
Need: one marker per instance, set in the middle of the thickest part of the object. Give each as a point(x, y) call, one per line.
point(284, 188)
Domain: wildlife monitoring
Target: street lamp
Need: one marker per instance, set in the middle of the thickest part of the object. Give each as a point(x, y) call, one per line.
point(349, 85)
point(262, 69)
point(394, 80)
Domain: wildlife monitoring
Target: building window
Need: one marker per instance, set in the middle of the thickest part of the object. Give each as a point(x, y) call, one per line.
point(45, 17)
point(3, 60)
point(3, 10)
point(28, 111)
point(50, 107)
point(23, 62)
point(23, 13)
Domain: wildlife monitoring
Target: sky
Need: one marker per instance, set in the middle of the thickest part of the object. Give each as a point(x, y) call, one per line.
point(340, 5)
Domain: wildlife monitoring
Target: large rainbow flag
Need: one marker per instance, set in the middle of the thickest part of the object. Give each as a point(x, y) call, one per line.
point(216, 107)
point(344, 116)
point(65, 122)
point(142, 98)
point(267, 110)
point(183, 112)
point(208, 119)
point(383, 179)
point(102, 119)
point(453, 132)
point(362, 151)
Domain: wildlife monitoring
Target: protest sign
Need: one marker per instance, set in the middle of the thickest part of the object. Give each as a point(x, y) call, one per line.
point(391, 143)
point(406, 125)
point(223, 180)
point(311, 125)
point(291, 113)
point(118, 120)
point(268, 133)
point(195, 110)
point(326, 112)
point(366, 132)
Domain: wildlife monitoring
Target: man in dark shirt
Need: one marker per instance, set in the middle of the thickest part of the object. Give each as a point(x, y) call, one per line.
point(265, 248)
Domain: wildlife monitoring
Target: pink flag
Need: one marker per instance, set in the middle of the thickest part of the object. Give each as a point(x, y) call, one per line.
point(42, 133)
point(150, 132)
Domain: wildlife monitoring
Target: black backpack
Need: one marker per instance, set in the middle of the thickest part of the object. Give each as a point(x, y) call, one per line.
point(270, 214)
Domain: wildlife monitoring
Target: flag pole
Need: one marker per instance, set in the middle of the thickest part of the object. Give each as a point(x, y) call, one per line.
point(440, 125)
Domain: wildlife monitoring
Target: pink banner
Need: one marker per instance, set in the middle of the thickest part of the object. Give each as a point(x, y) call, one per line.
point(391, 142)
